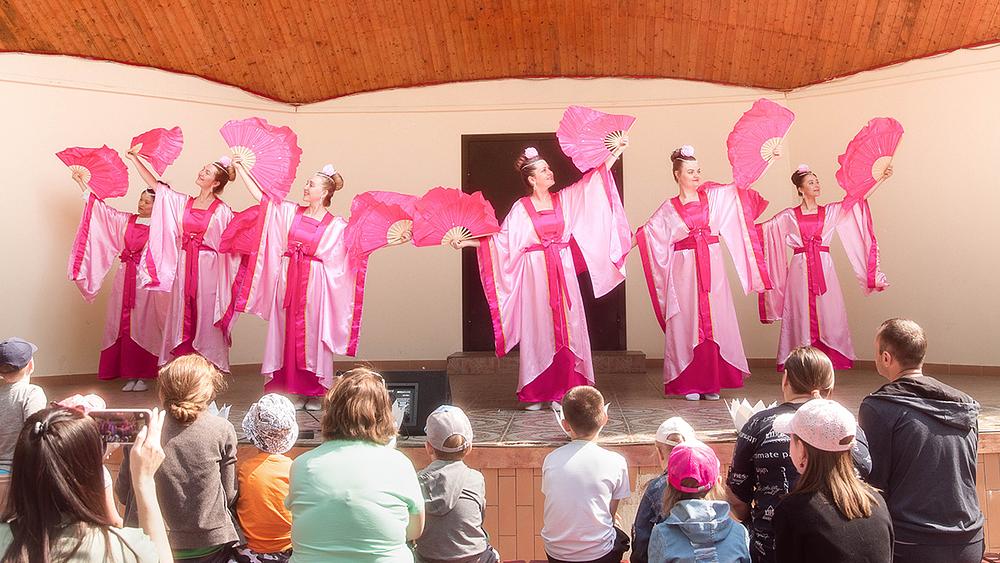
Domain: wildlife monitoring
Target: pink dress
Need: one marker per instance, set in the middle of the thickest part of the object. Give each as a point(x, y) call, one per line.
point(133, 328)
point(806, 294)
point(300, 279)
point(528, 273)
point(183, 257)
point(682, 262)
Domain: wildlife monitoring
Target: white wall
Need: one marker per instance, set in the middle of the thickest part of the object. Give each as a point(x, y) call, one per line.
point(936, 251)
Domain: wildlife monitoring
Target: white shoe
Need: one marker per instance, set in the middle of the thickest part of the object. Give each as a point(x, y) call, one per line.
point(533, 407)
point(140, 386)
point(314, 404)
point(299, 401)
point(129, 385)
point(692, 397)
point(711, 396)
point(556, 406)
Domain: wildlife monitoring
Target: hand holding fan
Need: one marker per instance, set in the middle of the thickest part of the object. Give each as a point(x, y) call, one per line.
point(864, 164)
point(159, 146)
point(270, 153)
point(446, 215)
point(753, 143)
point(102, 169)
point(590, 137)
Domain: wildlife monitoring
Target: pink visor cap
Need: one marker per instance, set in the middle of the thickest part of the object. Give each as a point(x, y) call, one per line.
point(692, 460)
point(823, 424)
point(447, 421)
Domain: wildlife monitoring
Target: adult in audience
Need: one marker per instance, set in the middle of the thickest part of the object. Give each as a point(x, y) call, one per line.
point(762, 471)
point(56, 510)
point(197, 482)
point(924, 437)
point(831, 516)
point(352, 498)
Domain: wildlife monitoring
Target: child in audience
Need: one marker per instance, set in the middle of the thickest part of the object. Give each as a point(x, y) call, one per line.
point(454, 494)
point(197, 481)
point(271, 427)
point(671, 432)
point(583, 484)
point(19, 399)
point(696, 528)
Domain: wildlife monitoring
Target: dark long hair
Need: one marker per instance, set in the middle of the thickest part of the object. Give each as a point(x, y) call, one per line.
point(56, 485)
point(832, 474)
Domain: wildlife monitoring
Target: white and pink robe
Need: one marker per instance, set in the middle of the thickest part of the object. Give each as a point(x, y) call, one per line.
point(686, 278)
point(183, 258)
point(300, 279)
point(806, 295)
point(529, 276)
point(133, 330)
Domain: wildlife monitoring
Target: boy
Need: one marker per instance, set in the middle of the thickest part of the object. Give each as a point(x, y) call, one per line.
point(454, 494)
point(19, 399)
point(583, 484)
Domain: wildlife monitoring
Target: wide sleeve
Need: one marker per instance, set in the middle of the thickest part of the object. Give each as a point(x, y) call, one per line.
point(771, 301)
point(226, 264)
point(595, 217)
point(99, 240)
point(732, 213)
point(265, 263)
point(501, 267)
point(342, 300)
point(857, 233)
point(656, 250)
point(158, 265)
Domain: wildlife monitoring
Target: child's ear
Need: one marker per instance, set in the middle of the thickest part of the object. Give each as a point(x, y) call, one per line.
point(430, 450)
point(566, 427)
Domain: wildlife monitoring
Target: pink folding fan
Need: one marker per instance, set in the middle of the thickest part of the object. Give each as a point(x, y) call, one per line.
point(444, 215)
point(159, 146)
point(754, 138)
point(867, 156)
point(589, 136)
point(102, 169)
point(270, 153)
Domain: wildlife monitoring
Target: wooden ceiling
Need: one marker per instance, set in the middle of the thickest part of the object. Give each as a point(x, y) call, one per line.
point(301, 51)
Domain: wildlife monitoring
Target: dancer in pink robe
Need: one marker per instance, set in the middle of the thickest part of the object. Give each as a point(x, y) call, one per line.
point(182, 257)
point(133, 330)
point(806, 294)
point(529, 273)
point(682, 262)
point(301, 280)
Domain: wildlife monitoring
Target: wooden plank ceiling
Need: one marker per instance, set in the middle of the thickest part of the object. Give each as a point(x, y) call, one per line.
point(301, 51)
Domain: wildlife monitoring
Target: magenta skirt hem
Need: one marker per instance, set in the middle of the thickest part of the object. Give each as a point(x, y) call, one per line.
point(299, 382)
point(552, 384)
point(126, 359)
point(839, 360)
point(708, 372)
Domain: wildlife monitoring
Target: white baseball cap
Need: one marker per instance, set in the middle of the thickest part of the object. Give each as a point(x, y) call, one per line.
point(821, 423)
point(447, 421)
point(675, 425)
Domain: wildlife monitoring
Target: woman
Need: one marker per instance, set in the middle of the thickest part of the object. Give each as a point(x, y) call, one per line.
point(183, 257)
point(65, 519)
point(352, 498)
point(310, 293)
point(806, 293)
point(831, 516)
point(197, 481)
point(133, 331)
point(682, 261)
point(529, 274)
point(761, 471)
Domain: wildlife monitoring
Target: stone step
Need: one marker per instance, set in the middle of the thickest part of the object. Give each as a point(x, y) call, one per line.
point(485, 363)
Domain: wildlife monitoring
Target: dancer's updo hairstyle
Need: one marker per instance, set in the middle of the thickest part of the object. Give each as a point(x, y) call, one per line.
point(800, 175)
point(680, 156)
point(225, 172)
point(332, 181)
point(527, 164)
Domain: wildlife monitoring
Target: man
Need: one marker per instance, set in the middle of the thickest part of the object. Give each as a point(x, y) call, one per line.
point(923, 438)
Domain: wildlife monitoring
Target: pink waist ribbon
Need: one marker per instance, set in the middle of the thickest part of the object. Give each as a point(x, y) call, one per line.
point(294, 286)
point(698, 240)
point(130, 260)
point(558, 290)
point(812, 247)
point(193, 244)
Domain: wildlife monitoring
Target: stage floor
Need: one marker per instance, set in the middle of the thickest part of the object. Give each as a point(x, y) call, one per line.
point(637, 404)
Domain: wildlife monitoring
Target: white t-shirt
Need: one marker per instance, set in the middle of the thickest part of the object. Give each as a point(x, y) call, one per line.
point(579, 481)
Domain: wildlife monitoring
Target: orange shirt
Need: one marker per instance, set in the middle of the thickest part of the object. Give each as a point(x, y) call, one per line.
point(266, 522)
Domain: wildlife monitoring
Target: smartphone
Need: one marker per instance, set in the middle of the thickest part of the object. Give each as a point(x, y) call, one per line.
point(120, 426)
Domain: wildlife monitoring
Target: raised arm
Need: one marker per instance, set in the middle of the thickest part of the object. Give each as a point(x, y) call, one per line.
point(616, 154)
point(252, 185)
point(143, 170)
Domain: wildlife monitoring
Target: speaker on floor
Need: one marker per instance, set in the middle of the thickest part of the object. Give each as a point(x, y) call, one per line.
point(418, 392)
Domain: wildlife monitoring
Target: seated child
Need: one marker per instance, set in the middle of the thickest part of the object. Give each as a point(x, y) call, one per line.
point(19, 399)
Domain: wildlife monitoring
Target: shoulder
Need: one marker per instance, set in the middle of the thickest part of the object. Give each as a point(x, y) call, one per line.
point(207, 422)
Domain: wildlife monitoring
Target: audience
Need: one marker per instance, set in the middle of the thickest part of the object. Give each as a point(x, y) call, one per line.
point(454, 494)
point(271, 427)
point(197, 481)
point(761, 471)
point(65, 519)
point(924, 438)
point(671, 432)
point(353, 499)
point(583, 484)
point(831, 516)
point(19, 399)
point(696, 528)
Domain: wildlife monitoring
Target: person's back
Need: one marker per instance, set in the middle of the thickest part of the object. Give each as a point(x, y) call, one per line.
point(18, 401)
point(84, 544)
point(699, 530)
point(810, 528)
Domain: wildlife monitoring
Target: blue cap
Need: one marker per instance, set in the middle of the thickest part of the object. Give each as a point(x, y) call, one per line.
point(15, 353)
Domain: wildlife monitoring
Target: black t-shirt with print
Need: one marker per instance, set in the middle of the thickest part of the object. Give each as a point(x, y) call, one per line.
point(762, 472)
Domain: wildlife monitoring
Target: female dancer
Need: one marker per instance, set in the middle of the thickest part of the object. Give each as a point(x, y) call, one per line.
point(682, 260)
point(529, 276)
point(806, 294)
point(304, 284)
point(183, 257)
point(133, 330)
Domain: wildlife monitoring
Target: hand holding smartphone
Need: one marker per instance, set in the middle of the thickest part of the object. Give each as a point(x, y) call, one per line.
point(121, 426)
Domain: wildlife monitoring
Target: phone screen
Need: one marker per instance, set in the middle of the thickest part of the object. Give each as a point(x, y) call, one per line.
point(120, 426)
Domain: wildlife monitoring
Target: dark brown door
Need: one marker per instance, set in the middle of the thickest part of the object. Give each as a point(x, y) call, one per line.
point(488, 166)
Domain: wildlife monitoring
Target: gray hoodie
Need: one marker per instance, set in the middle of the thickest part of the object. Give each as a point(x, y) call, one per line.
point(699, 530)
point(454, 504)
